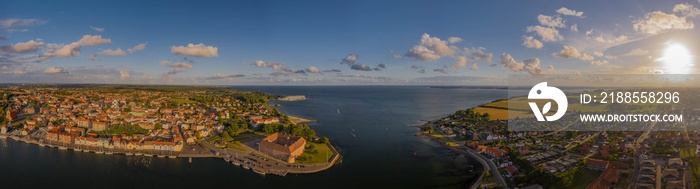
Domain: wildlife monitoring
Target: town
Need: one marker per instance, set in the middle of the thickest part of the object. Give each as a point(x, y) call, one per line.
point(165, 121)
point(570, 159)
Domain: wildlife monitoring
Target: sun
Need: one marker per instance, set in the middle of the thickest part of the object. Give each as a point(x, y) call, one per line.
point(677, 59)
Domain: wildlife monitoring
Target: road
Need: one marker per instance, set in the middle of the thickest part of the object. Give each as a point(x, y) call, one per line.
point(483, 160)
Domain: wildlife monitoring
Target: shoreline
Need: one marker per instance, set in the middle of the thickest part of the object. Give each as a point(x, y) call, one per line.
point(484, 166)
point(298, 120)
point(249, 156)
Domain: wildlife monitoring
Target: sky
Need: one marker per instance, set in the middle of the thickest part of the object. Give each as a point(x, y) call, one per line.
point(341, 42)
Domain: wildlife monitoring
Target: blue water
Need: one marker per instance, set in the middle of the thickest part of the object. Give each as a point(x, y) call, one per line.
point(373, 132)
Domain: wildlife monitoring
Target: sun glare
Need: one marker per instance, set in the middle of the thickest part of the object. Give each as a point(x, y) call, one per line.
point(677, 59)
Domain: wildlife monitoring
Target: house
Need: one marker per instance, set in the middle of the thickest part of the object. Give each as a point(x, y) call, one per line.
point(99, 126)
point(283, 146)
point(596, 164)
point(670, 175)
point(605, 180)
point(256, 122)
point(511, 170)
point(647, 163)
point(647, 179)
point(647, 171)
point(675, 163)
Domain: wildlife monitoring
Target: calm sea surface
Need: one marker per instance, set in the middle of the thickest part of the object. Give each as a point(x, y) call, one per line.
point(373, 132)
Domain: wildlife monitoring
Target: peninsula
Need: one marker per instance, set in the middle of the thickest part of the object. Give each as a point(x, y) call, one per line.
point(165, 121)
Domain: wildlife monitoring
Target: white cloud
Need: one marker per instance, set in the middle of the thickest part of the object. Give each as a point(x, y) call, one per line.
point(29, 46)
point(453, 40)
point(17, 24)
point(474, 67)
point(571, 52)
point(55, 70)
point(137, 48)
point(618, 39)
point(574, 28)
point(686, 10)
point(547, 34)
point(172, 72)
point(218, 76)
point(637, 52)
point(551, 21)
point(97, 29)
point(73, 49)
point(92, 57)
point(430, 48)
point(89, 40)
point(350, 59)
point(461, 61)
point(531, 66)
point(110, 52)
point(123, 75)
point(569, 12)
point(312, 69)
point(198, 50)
point(550, 68)
point(532, 43)
point(657, 21)
point(396, 56)
point(599, 62)
point(175, 64)
point(597, 53)
point(478, 53)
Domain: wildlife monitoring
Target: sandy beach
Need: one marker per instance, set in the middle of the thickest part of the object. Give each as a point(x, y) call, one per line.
point(297, 120)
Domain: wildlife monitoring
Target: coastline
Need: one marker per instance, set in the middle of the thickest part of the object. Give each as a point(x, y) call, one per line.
point(298, 120)
point(248, 160)
point(484, 167)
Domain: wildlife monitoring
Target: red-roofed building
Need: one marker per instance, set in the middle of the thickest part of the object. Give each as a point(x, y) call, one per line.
point(596, 164)
point(605, 180)
point(282, 146)
point(511, 170)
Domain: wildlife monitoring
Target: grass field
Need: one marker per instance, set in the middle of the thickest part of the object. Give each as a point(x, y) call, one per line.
point(581, 179)
point(502, 114)
point(323, 153)
point(237, 145)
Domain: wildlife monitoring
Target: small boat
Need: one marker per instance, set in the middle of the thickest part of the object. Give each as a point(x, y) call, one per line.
point(172, 157)
point(338, 110)
point(190, 160)
point(353, 135)
point(246, 167)
point(258, 171)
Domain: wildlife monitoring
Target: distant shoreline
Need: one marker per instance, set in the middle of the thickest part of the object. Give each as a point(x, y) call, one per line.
point(298, 120)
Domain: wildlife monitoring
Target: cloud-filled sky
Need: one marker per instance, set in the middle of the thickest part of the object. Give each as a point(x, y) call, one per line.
point(340, 42)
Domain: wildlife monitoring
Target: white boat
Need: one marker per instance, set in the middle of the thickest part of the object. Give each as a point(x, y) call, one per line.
point(338, 110)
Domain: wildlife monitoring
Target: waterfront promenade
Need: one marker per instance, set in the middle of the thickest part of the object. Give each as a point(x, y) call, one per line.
point(249, 159)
